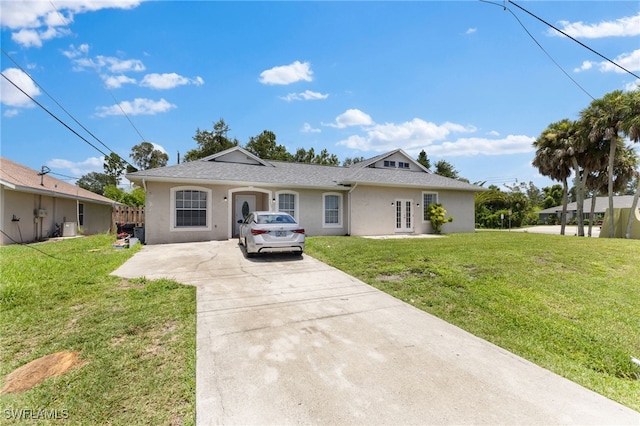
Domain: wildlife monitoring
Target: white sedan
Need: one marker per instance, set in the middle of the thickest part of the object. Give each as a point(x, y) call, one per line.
point(271, 232)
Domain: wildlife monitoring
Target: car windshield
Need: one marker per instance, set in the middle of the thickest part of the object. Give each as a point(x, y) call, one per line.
point(275, 218)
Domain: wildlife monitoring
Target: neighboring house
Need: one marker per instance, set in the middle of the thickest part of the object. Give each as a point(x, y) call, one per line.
point(32, 203)
point(602, 204)
point(204, 199)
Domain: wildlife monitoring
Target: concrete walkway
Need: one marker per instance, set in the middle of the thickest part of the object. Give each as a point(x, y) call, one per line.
point(284, 340)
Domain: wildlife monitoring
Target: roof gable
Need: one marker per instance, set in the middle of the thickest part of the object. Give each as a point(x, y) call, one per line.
point(22, 178)
point(237, 155)
point(396, 159)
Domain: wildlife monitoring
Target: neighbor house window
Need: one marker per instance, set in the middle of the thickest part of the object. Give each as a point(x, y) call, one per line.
point(80, 214)
point(332, 210)
point(388, 163)
point(428, 198)
point(403, 165)
point(287, 203)
point(191, 208)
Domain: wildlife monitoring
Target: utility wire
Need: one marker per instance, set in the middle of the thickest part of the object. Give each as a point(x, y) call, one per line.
point(106, 88)
point(53, 115)
point(540, 46)
point(577, 41)
point(55, 101)
point(29, 245)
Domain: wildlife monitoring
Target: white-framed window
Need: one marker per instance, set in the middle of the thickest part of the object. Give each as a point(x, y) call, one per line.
point(332, 210)
point(389, 163)
point(403, 165)
point(288, 202)
point(190, 209)
point(428, 198)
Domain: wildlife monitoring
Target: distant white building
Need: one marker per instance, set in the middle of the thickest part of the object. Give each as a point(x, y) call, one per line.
point(602, 204)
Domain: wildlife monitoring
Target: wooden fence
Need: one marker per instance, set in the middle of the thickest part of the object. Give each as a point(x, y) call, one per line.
point(128, 215)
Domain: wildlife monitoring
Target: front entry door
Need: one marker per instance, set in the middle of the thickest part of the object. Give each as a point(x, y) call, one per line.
point(403, 216)
point(244, 205)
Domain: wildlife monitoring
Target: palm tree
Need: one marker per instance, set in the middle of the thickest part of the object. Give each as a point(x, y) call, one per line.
point(604, 118)
point(631, 128)
point(625, 166)
point(553, 160)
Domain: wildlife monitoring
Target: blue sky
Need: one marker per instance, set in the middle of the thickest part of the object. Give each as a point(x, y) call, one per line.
point(460, 79)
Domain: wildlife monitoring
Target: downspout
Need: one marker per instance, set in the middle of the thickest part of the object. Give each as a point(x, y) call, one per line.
point(349, 202)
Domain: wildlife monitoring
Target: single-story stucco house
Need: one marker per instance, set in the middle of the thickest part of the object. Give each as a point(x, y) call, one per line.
point(203, 199)
point(602, 204)
point(32, 203)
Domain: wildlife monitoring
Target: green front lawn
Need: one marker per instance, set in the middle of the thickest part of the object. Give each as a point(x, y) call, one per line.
point(569, 304)
point(135, 338)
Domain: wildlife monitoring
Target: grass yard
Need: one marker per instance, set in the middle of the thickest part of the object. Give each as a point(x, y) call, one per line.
point(135, 339)
point(568, 304)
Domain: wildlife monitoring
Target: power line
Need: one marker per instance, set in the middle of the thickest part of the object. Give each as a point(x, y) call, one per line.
point(577, 41)
point(55, 101)
point(53, 115)
point(540, 46)
point(106, 87)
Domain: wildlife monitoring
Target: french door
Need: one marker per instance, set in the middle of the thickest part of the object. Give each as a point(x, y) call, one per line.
point(404, 216)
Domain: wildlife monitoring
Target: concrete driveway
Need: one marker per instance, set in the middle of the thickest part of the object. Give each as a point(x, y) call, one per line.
point(286, 340)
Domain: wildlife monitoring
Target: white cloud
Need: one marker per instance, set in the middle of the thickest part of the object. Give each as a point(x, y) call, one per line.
point(74, 52)
point(79, 57)
point(139, 106)
point(630, 61)
point(116, 81)
point(13, 97)
point(168, 81)
point(287, 74)
point(417, 134)
point(351, 117)
point(10, 113)
point(512, 144)
point(306, 128)
point(634, 85)
point(307, 95)
point(78, 168)
point(624, 27)
point(34, 22)
point(471, 30)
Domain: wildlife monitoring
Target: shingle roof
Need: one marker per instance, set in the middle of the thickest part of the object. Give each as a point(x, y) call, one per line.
point(602, 204)
point(296, 175)
point(22, 178)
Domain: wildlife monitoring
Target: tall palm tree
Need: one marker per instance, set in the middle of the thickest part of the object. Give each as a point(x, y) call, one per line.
point(604, 118)
point(631, 128)
point(553, 160)
point(626, 163)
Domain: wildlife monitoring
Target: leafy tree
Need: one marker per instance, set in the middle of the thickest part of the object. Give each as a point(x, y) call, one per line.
point(134, 198)
point(326, 159)
point(146, 156)
point(95, 182)
point(446, 169)
point(631, 128)
point(351, 161)
point(310, 157)
point(553, 160)
point(552, 196)
point(114, 166)
point(603, 118)
point(422, 159)
point(264, 146)
point(211, 142)
point(304, 156)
